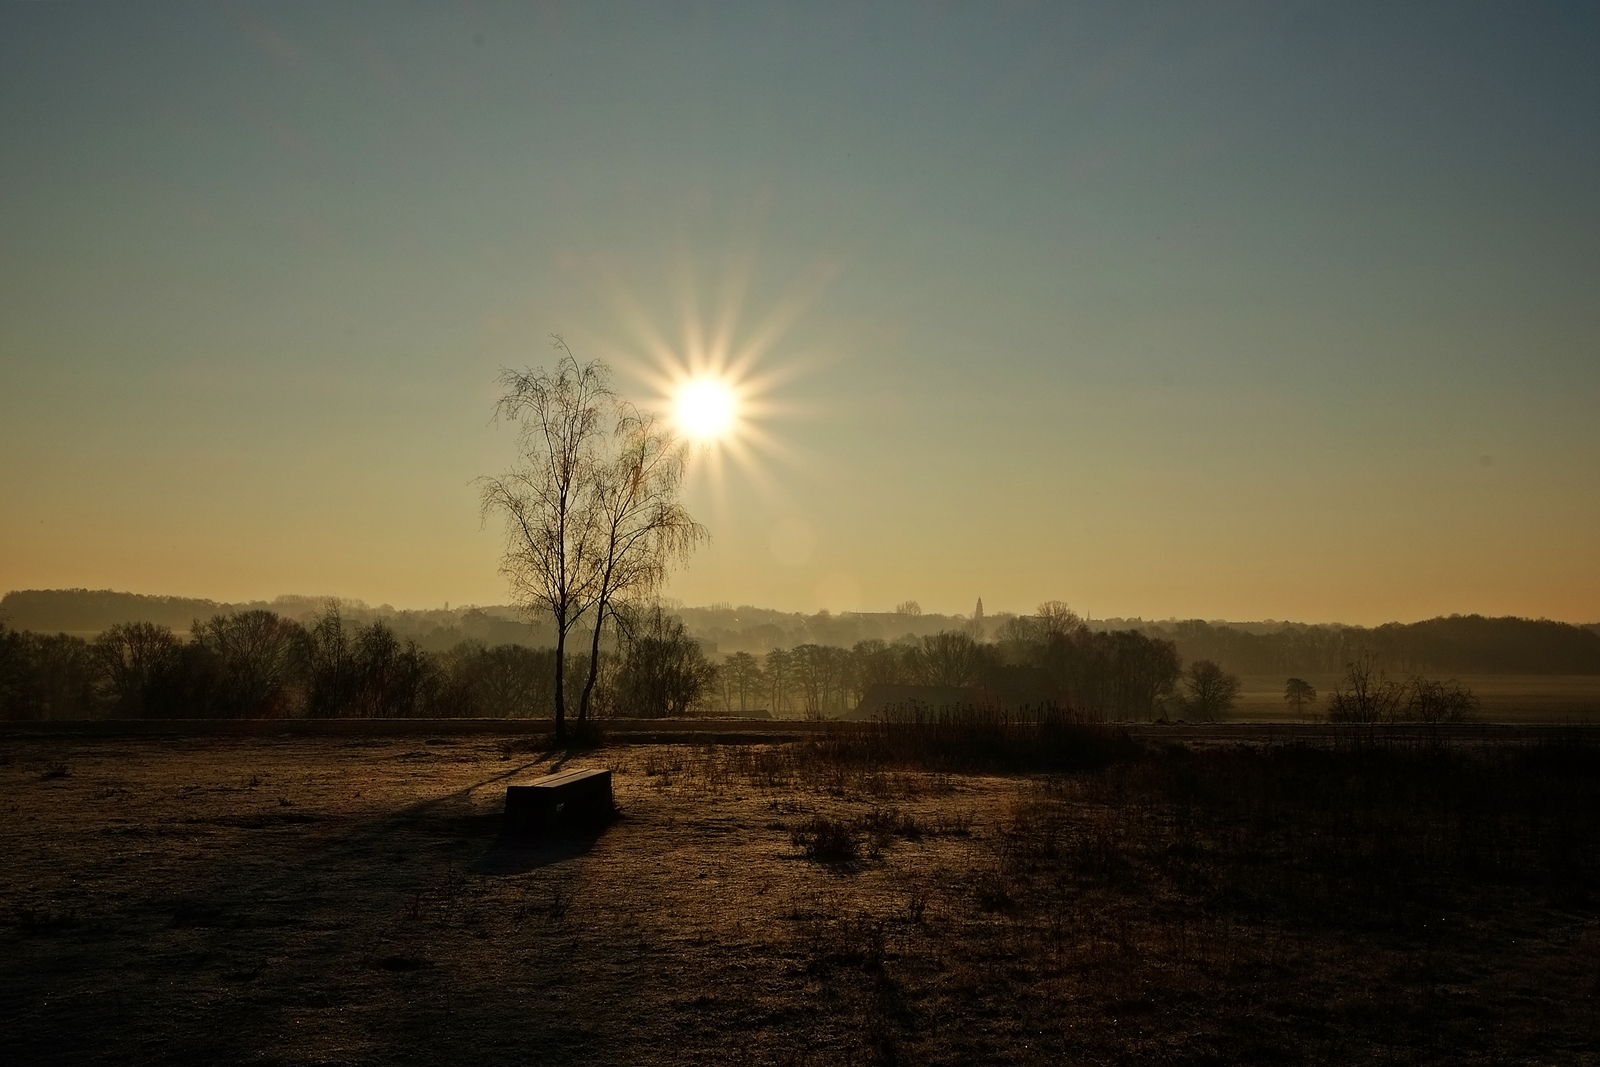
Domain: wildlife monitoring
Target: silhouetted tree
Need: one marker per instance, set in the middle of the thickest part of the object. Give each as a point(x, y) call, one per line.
point(1298, 692)
point(45, 676)
point(1434, 702)
point(875, 662)
point(743, 676)
point(1209, 691)
point(334, 677)
point(1121, 674)
point(548, 498)
point(1366, 695)
point(778, 678)
point(1057, 619)
point(663, 670)
point(952, 658)
point(259, 658)
point(17, 696)
point(516, 681)
point(591, 505)
point(1019, 639)
point(137, 664)
point(810, 666)
point(394, 678)
point(1147, 670)
point(641, 528)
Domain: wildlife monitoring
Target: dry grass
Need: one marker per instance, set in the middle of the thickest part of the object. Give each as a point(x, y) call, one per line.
point(823, 903)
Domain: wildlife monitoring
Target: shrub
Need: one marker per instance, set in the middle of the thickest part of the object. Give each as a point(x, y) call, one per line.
point(826, 840)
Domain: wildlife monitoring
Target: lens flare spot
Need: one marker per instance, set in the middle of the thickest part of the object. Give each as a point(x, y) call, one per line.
point(705, 408)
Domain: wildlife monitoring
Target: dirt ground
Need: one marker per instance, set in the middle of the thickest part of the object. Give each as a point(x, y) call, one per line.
point(310, 900)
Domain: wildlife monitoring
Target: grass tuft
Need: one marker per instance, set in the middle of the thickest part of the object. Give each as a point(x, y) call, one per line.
point(827, 840)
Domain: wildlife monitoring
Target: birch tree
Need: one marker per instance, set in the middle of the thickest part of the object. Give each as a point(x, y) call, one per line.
point(553, 532)
point(590, 506)
point(640, 527)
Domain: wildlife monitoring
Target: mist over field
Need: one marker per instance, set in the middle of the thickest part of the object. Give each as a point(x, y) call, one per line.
point(496, 660)
point(1465, 644)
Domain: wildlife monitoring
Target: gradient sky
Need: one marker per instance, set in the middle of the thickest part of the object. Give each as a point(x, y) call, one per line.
point(1226, 310)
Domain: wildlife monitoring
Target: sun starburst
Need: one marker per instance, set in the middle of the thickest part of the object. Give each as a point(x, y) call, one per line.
point(718, 377)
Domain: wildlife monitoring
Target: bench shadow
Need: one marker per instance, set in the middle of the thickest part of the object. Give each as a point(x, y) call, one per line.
point(512, 853)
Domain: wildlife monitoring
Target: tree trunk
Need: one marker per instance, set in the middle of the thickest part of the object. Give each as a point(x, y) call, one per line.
point(594, 665)
point(561, 692)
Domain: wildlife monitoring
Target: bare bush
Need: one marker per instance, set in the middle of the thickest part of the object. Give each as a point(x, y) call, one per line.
point(1368, 696)
point(827, 840)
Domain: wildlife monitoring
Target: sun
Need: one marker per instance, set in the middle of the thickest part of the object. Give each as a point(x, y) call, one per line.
point(705, 408)
point(715, 381)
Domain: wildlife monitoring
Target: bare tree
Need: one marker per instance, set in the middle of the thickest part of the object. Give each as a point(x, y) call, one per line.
point(1057, 619)
point(664, 673)
point(640, 526)
point(548, 500)
point(875, 662)
point(135, 658)
point(1367, 695)
point(952, 658)
point(779, 673)
point(1434, 702)
point(261, 658)
point(743, 674)
point(1211, 691)
point(333, 663)
point(810, 666)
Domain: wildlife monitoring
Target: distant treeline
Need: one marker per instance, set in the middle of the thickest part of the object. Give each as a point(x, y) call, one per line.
point(717, 627)
point(1459, 644)
point(1454, 645)
point(1469, 644)
point(1099, 675)
point(258, 664)
point(88, 612)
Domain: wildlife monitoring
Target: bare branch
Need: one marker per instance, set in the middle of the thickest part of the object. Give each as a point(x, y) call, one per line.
point(591, 510)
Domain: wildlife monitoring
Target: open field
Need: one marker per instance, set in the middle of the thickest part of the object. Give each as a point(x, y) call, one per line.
point(346, 900)
point(1501, 697)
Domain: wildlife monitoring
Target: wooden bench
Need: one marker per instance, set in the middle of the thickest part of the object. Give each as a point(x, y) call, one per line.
point(573, 798)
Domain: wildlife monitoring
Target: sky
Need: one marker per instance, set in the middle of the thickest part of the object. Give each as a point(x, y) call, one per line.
point(1224, 310)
